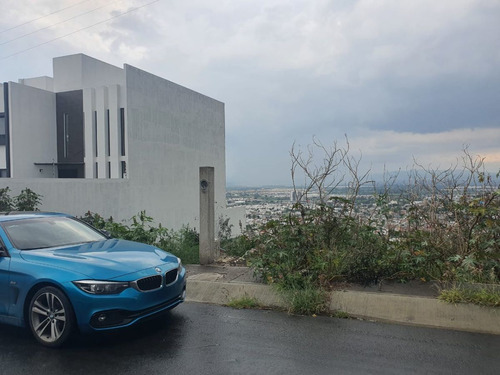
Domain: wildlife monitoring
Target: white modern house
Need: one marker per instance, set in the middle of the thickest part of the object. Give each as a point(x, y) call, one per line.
point(113, 141)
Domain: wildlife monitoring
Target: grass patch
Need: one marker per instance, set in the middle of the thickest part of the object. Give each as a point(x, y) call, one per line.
point(340, 315)
point(189, 254)
point(309, 300)
point(237, 246)
point(244, 303)
point(483, 296)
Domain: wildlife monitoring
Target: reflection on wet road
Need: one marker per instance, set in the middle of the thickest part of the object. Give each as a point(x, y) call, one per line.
point(206, 339)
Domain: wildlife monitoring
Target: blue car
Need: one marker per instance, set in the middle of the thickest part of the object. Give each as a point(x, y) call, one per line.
point(58, 274)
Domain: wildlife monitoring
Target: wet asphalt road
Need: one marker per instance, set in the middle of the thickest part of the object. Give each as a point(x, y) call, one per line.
point(206, 339)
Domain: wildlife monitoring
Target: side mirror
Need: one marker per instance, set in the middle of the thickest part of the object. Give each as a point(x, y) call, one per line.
point(3, 252)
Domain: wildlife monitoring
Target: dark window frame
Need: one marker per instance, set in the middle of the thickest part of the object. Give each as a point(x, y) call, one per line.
point(108, 134)
point(65, 134)
point(95, 134)
point(122, 132)
point(124, 168)
point(3, 136)
point(2, 115)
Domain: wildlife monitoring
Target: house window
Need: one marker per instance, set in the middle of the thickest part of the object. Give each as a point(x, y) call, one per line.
point(96, 172)
point(122, 131)
point(65, 134)
point(95, 133)
point(108, 139)
point(124, 169)
point(109, 169)
point(2, 129)
point(2, 123)
point(83, 131)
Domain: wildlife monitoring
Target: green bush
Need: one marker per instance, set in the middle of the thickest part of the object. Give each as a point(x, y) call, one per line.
point(183, 243)
point(319, 247)
point(308, 300)
point(234, 246)
point(27, 200)
point(6, 203)
point(450, 229)
point(238, 246)
point(482, 296)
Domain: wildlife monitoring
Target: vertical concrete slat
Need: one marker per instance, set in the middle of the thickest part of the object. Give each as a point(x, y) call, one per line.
point(88, 110)
point(207, 215)
point(101, 104)
point(114, 117)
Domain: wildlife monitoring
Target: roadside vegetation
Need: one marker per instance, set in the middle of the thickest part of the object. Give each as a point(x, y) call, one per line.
point(27, 200)
point(183, 243)
point(450, 230)
point(244, 303)
point(484, 296)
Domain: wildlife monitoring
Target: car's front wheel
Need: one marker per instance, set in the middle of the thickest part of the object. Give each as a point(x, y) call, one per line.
point(51, 317)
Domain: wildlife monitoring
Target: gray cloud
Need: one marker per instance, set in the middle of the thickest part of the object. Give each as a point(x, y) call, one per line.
point(385, 72)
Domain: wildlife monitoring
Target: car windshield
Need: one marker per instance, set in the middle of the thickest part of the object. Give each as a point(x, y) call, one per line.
point(45, 232)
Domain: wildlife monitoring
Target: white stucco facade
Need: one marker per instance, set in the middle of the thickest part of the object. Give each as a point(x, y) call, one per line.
point(33, 138)
point(142, 139)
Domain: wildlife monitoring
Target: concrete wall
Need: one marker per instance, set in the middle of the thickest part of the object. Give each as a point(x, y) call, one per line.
point(3, 160)
point(43, 83)
point(172, 131)
point(76, 72)
point(77, 196)
point(2, 109)
point(33, 136)
point(111, 197)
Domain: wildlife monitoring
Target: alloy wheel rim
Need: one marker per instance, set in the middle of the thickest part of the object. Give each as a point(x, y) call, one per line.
point(48, 317)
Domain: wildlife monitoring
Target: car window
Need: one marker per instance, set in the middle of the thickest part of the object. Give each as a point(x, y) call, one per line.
point(44, 232)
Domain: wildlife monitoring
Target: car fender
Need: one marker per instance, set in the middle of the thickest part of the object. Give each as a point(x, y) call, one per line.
point(26, 279)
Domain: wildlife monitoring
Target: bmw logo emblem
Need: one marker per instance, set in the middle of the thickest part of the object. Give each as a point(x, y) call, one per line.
point(158, 269)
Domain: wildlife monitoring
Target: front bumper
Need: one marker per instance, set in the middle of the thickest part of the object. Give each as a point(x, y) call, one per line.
point(110, 319)
point(107, 312)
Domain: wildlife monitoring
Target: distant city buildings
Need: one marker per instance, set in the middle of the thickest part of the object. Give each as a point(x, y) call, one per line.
point(263, 205)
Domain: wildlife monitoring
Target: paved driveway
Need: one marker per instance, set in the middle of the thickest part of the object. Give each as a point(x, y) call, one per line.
point(206, 339)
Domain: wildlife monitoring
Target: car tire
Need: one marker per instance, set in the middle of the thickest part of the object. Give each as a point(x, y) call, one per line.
point(50, 315)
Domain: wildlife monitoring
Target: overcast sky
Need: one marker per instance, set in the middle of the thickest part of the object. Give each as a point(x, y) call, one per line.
point(403, 79)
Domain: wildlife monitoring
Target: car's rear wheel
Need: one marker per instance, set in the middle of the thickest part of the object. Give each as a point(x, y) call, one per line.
point(51, 317)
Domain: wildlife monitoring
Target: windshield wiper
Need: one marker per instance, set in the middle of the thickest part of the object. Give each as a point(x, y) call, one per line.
point(36, 248)
point(59, 245)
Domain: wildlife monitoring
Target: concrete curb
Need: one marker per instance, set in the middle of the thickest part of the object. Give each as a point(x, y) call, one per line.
point(221, 293)
point(419, 311)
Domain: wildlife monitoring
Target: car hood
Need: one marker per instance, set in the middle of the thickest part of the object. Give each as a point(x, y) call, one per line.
point(103, 260)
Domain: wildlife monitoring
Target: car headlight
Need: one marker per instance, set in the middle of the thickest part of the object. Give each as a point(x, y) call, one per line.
point(180, 263)
point(102, 287)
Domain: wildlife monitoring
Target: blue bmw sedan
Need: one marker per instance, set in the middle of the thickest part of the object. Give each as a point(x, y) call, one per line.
point(58, 274)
